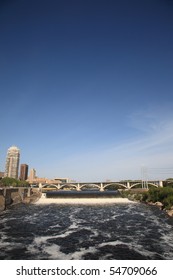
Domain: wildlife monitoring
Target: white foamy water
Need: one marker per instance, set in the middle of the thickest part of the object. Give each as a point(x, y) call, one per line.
point(85, 201)
point(86, 228)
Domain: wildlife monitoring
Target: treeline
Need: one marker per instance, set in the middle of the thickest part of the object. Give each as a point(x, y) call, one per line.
point(11, 182)
point(163, 195)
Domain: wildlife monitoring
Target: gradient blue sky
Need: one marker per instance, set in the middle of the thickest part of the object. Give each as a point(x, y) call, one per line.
point(87, 86)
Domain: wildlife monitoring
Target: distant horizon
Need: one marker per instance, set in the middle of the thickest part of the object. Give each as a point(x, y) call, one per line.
point(86, 87)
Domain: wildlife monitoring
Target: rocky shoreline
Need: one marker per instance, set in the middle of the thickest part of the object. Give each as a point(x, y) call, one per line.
point(9, 197)
point(137, 195)
point(161, 207)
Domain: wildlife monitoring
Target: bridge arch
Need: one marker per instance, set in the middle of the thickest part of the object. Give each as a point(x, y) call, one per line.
point(90, 186)
point(68, 186)
point(49, 185)
point(136, 184)
point(146, 184)
point(117, 185)
point(152, 184)
point(169, 182)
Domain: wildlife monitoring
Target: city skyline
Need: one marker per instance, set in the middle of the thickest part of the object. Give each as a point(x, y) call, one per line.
point(87, 87)
point(13, 163)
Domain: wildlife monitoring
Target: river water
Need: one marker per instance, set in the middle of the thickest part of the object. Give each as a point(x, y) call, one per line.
point(66, 231)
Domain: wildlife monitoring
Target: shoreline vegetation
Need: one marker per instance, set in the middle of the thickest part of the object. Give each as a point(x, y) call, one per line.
point(161, 197)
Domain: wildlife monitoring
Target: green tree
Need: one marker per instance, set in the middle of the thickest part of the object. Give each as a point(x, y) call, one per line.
point(7, 182)
point(163, 195)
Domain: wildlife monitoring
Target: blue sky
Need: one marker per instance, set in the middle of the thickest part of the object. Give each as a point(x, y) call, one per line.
point(87, 87)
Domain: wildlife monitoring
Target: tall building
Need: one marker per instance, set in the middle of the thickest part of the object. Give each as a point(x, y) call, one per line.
point(32, 174)
point(12, 162)
point(23, 172)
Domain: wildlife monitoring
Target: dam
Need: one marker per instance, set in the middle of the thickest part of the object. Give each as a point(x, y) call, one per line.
point(82, 194)
point(82, 197)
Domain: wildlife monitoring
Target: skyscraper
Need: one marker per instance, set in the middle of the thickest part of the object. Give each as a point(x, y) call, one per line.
point(12, 162)
point(23, 172)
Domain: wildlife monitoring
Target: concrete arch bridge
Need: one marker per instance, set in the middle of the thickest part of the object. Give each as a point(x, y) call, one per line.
point(101, 186)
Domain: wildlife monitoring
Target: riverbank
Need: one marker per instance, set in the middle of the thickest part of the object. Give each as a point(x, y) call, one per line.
point(161, 207)
point(11, 196)
point(160, 197)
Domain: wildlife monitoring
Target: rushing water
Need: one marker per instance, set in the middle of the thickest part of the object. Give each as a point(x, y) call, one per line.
point(93, 231)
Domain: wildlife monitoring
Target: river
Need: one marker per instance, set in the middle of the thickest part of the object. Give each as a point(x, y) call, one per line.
point(80, 231)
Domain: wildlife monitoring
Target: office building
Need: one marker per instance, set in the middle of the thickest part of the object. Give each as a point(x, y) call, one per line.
point(32, 175)
point(12, 162)
point(23, 172)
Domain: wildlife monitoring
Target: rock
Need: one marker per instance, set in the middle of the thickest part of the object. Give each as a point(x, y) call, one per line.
point(2, 203)
point(26, 200)
point(170, 212)
point(150, 203)
point(16, 198)
point(158, 203)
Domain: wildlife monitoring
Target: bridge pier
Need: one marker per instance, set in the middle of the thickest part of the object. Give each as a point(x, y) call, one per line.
point(128, 185)
point(78, 187)
point(101, 187)
point(161, 184)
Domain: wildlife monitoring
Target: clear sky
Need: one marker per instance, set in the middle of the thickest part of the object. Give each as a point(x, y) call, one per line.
point(86, 86)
